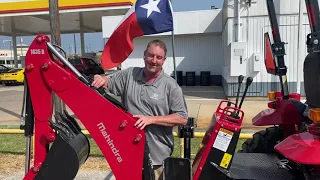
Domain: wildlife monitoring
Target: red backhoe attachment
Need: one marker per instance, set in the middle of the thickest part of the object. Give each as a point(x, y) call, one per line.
point(60, 148)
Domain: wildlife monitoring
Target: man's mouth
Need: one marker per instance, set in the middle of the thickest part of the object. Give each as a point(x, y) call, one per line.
point(152, 66)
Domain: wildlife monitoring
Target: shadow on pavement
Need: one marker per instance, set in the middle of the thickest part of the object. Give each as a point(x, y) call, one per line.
point(10, 112)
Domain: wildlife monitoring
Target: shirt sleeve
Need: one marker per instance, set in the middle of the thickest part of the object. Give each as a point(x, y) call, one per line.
point(117, 81)
point(177, 103)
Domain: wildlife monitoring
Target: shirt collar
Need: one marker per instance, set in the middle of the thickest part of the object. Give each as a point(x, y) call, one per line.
point(154, 83)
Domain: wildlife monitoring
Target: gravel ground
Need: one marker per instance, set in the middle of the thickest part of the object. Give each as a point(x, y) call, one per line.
point(82, 175)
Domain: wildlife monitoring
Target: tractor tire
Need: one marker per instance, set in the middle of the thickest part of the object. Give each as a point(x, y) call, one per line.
point(263, 141)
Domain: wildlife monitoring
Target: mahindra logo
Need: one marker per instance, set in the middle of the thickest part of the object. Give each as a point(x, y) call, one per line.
point(114, 150)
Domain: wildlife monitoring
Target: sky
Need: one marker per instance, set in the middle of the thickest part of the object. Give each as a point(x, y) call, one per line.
point(95, 41)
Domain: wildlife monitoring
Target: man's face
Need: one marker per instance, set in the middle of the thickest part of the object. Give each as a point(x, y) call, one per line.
point(154, 58)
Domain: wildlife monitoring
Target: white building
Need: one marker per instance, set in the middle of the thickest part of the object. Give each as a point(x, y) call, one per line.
point(7, 55)
point(205, 40)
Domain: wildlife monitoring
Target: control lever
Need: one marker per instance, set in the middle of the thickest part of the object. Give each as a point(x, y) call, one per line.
point(235, 114)
point(248, 83)
point(240, 79)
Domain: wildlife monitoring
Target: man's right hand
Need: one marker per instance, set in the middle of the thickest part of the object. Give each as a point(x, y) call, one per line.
point(99, 81)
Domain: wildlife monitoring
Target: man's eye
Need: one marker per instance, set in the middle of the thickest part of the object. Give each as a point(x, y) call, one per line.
point(159, 57)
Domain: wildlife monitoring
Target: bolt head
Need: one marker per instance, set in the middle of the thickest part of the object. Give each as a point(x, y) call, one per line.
point(35, 169)
point(123, 124)
point(45, 66)
point(29, 67)
point(316, 41)
point(138, 138)
point(39, 39)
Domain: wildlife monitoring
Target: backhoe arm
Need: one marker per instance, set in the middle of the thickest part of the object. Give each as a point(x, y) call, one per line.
point(111, 127)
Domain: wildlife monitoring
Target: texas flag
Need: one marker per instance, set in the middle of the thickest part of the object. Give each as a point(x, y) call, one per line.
point(145, 17)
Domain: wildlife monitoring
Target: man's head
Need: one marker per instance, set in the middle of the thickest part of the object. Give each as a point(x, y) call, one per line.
point(155, 56)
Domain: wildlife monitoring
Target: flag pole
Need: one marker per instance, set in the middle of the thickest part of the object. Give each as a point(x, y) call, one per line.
point(173, 55)
point(174, 71)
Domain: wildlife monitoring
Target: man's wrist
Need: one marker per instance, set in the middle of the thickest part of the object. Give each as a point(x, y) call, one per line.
point(106, 81)
point(153, 119)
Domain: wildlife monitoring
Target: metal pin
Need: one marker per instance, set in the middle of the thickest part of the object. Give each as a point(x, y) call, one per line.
point(123, 124)
point(138, 138)
point(45, 66)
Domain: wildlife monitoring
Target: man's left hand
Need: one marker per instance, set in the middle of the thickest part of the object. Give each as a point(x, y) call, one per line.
point(143, 121)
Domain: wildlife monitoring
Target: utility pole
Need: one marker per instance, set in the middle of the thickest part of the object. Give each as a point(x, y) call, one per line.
point(74, 42)
point(11, 49)
point(59, 106)
point(21, 41)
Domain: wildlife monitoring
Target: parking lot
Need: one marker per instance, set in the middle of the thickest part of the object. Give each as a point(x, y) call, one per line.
point(10, 104)
point(201, 101)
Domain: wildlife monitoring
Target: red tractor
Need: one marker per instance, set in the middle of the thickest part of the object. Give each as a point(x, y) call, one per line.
point(287, 151)
point(294, 137)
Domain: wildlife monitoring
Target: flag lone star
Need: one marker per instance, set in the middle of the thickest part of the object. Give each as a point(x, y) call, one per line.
point(151, 6)
point(145, 17)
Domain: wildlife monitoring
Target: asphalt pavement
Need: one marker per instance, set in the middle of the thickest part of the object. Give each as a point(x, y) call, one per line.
point(202, 102)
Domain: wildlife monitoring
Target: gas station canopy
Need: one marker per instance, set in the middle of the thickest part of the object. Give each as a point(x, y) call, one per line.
point(31, 17)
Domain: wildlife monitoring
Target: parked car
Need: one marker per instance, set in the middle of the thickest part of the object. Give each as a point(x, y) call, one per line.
point(4, 69)
point(86, 65)
point(13, 76)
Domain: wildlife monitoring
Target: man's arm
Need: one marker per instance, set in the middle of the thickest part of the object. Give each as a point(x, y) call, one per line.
point(178, 112)
point(115, 82)
point(169, 120)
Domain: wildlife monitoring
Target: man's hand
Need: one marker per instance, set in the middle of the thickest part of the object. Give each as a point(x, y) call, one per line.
point(143, 121)
point(99, 81)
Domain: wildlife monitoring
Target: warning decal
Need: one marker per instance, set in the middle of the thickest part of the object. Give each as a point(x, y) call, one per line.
point(225, 160)
point(223, 139)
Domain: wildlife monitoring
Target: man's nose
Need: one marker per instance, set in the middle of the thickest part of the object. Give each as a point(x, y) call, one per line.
point(153, 59)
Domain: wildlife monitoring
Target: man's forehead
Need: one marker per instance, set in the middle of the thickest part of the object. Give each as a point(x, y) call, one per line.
point(154, 47)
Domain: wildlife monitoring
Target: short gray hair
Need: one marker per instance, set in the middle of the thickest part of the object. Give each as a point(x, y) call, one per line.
point(159, 43)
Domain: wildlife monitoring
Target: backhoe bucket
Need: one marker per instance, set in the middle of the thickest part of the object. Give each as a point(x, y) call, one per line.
point(68, 152)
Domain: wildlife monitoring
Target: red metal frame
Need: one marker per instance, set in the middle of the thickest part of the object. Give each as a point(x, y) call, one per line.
point(221, 119)
point(281, 112)
point(122, 147)
point(302, 148)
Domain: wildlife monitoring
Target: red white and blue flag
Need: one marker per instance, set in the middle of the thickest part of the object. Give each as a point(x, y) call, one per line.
point(145, 17)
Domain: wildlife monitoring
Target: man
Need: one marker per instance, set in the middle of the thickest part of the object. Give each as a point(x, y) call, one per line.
point(154, 98)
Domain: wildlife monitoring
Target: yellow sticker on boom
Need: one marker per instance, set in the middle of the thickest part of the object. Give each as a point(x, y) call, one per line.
point(225, 160)
point(226, 131)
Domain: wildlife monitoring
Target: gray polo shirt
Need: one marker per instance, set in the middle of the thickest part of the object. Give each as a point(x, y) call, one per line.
point(160, 98)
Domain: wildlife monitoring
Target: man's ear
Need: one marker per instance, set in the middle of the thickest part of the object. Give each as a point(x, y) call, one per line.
point(144, 54)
